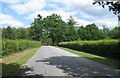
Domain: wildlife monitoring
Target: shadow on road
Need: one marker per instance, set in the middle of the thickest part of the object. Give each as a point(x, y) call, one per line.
point(77, 66)
point(74, 66)
point(28, 71)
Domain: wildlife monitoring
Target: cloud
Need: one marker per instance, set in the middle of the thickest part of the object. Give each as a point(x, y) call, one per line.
point(28, 6)
point(85, 15)
point(86, 10)
point(10, 1)
point(109, 20)
point(85, 6)
point(64, 15)
point(83, 11)
point(6, 20)
point(82, 22)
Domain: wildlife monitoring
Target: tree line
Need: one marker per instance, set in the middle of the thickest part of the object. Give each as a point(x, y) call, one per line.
point(52, 29)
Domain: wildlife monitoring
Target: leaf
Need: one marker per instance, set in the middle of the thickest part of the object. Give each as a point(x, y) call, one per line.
point(109, 8)
point(103, 6)
point(94, 3)
point(99, 3)
point(107, 3)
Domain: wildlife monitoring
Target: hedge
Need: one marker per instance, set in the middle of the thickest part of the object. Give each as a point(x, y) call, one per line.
point(106, 48)
point(13, 46)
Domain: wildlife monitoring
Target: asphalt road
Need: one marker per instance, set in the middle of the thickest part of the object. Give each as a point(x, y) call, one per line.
point(51, 61)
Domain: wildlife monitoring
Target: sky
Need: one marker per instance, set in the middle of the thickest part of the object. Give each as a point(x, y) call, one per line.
point(21, 13)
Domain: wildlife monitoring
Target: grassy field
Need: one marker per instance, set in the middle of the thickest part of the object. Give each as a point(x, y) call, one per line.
point(107, 61)
point(11, 64)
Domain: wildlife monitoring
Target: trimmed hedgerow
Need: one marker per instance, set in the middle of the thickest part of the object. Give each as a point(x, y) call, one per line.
point(106, 48)
point(13, 46)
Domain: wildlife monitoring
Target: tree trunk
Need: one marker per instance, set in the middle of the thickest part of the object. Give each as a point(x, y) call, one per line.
point(53, 42)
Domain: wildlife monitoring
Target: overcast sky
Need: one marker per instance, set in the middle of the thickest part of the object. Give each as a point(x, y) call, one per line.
point(20, 13)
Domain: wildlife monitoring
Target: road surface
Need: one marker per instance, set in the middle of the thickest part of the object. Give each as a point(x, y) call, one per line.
point(51, 61)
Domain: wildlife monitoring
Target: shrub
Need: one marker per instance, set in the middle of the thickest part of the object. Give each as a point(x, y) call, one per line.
point(12, 46)
point(106, 48)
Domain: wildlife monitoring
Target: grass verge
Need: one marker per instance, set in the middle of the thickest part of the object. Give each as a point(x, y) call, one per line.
point(107, 61)
point(13, 63)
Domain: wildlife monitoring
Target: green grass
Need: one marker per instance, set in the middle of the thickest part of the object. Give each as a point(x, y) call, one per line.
point(107, 61)
point(12, 68)
point(26, 57)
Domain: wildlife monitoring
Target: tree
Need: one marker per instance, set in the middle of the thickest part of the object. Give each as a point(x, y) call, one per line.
point(115, 33)
point(93, 32)
point(105, 32)
point(90, 32)
point(8, 33)
point(114, 5)
point(54, 27)
point(71, 32)
point(23, 33)
point(82, 33)
point(37, 28)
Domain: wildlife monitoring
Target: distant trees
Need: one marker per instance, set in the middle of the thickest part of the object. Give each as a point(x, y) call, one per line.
point(53, 30)
point(15, 33)
point(8, 33)
point(90, 32)
point(115, 33)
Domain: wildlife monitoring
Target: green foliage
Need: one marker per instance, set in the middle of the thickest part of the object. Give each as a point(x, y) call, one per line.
point(107, 48)
point(115, 33)
point(90, 32)
point(15, 33)
point(12, 46)
point(70, 30)
point(37, 28)
point(8, 33)
point(54, 28)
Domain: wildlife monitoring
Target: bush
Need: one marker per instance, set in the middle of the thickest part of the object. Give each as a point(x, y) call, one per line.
point(106, 48)
point(12, 46)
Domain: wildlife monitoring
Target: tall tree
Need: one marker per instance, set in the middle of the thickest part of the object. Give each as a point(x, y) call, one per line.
point(37, 28)
point(71, 32)
point(54, 26)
